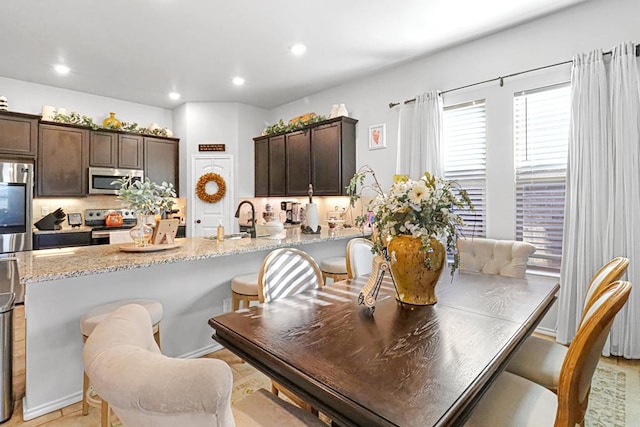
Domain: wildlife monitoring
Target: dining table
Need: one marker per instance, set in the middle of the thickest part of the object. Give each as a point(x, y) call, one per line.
point(394, 364)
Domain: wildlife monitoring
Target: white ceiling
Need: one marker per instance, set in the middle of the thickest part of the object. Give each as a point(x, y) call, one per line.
point(141, 50)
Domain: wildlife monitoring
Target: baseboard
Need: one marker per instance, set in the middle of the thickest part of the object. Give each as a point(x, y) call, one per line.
point(201, 351)
point(546, 331)
point(30, 413)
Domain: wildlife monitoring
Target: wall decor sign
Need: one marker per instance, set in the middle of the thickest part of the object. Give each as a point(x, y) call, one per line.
point(377, 137)
point(212, 147)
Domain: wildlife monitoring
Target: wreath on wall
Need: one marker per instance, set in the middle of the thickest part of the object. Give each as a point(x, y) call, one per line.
point(201, 190)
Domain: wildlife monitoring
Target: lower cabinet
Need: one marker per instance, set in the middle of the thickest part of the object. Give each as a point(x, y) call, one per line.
point(61, 239)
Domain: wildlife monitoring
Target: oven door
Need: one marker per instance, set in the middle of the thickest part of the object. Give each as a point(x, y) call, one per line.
point(101, 179)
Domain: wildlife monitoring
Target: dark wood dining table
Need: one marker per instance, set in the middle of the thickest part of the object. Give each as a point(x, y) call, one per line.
point(397, 365)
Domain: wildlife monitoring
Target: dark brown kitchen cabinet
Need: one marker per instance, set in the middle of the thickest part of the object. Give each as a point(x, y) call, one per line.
point(130, 151)
point(333, 157)
point(63, 159)
point(18, 134)
point(322, 154)
point(161, 160)
point(61, 239)
point(116, 150)
point(277, 183)
point(261, 158)
point(298, 156)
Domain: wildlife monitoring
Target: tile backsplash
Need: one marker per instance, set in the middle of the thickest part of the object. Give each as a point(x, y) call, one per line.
point(43, 205)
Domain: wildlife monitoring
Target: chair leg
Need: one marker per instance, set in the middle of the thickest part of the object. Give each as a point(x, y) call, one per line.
point(235, 301)
point(106, 414)
point(156, 335)
point(85, 389)
point(274, 389)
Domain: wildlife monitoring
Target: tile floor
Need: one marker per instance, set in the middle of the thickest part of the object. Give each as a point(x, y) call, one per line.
point(71, 416)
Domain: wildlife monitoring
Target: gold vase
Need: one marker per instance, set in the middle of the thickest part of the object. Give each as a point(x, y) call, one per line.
point(415, 271)
point(112, 122)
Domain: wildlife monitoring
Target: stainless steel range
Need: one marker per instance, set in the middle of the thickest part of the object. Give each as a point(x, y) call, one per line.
point(95, 218)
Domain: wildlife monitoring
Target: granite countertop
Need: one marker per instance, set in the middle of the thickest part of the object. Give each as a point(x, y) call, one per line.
point(53, 264)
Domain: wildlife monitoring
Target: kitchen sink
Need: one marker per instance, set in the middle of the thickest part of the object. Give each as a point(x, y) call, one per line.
point(235, 236)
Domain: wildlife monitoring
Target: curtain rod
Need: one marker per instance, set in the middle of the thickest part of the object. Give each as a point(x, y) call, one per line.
point(501, 79)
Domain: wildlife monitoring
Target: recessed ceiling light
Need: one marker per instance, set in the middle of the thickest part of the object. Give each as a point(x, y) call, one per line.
point(298, 49)
point(62, 69)
point(174, 95)
point(238, 81)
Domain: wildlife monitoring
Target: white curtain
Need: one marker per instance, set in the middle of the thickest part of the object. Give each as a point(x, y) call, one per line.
point(420, 136)
point(602, 189)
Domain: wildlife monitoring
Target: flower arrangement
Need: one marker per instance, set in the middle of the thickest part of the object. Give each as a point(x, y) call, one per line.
point(422, 208)
point(146, 198)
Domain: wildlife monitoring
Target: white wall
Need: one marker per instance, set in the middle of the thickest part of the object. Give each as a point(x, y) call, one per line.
point(556, 38)
point(26, 97)
point(226, 123)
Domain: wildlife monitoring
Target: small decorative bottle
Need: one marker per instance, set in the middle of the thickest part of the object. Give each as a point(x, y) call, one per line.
point(112, 122)
point(220, 231)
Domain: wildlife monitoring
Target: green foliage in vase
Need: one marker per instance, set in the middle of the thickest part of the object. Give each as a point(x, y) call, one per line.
point(424, 208)
point(146, 197)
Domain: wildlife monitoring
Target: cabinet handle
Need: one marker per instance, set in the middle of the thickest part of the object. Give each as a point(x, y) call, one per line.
point(198, 221)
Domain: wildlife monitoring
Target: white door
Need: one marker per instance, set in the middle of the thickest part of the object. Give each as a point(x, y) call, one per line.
point(205, 216)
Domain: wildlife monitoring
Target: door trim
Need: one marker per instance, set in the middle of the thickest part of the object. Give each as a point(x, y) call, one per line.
point(192, 191)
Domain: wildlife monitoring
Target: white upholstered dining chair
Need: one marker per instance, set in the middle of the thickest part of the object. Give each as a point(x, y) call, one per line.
point(359, 257)
point(515, 401)
point(490, 256)
point(540, 360)
point(146, 388)
point(286, 272)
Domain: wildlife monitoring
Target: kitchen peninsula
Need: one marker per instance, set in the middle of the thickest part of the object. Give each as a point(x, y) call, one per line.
point(191, 282)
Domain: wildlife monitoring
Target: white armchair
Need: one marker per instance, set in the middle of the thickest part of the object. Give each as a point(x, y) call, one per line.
point(146, 388)
point(501, 257)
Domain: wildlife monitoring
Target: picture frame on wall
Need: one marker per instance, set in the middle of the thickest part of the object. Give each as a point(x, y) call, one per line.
point(377, 137)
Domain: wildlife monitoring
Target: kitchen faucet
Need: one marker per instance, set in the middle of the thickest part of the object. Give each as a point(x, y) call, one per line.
point(252, 230)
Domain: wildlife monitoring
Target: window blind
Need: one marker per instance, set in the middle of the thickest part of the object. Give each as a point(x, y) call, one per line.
point(465, 142)
point(541, 134)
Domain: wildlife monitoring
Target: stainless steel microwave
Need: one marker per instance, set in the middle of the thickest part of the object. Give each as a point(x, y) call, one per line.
point(100, 179)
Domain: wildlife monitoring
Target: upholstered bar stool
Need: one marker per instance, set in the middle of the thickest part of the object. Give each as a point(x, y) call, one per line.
point(334, 268)
point(90, 320)
point(244, 288)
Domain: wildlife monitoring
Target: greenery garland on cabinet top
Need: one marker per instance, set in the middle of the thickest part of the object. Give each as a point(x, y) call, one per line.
point(75, 118)
point(281, 127)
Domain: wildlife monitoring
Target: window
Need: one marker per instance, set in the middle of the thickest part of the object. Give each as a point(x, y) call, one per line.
point(465, 141)
point(541, 134)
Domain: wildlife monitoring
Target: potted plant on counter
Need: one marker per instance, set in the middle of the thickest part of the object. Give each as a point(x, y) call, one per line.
point(145, 198)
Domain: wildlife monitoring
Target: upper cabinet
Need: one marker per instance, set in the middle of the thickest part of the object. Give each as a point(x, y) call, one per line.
point(161, 160)
point(63, 153)
point(66, 151)
point(322, 154)
point(18, 134)
point(333, 157)
point(116, 150)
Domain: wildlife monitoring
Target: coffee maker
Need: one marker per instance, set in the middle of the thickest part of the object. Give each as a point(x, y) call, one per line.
point(292, 210)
